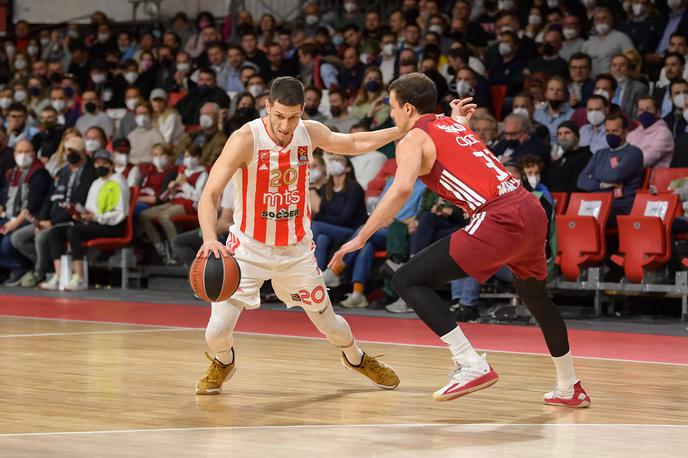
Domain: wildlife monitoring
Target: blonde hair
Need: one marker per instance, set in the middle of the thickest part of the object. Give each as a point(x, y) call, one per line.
point(164, 149)
point(59, 152)
point(362, 97)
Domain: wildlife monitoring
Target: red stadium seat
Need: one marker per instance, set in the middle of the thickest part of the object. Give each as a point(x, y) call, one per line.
point(662, 177)
point(580, 233)
point(498, 94)
point(560, 201)
point(645, 234)
point(647, 171)
point(119, 243)
point(186, 221)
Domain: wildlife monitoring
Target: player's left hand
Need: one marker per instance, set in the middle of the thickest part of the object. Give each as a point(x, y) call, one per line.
point(352, 245)
point(462, 108)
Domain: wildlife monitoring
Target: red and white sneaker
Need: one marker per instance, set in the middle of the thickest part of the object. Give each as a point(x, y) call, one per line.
point(466, 379)
point(576, 397)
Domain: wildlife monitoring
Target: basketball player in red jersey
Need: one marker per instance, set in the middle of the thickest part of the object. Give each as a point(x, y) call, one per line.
point(271, 237)
point(508, 227)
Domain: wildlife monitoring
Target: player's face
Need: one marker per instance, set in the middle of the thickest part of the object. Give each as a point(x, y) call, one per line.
point(283, 119)
point(400, 114)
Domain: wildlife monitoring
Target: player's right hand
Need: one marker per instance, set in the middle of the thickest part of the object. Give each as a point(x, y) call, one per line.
point(214, 247)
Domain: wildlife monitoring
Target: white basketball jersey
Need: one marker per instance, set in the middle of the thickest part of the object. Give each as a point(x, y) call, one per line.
point(271, 202)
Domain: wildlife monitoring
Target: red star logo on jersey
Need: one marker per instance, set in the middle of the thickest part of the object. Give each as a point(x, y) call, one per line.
point(302, 153)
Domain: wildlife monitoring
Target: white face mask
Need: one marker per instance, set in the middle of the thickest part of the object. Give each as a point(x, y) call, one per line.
point(20, 96)
point(504, 49)
point(190, 162)
point(103, 37)
point(595, 117)
point(160, 162)
point(521, 111)
point(316, 174)
point(93, 145)
point(436, 28)
point(336, 168)
point(680, 100)
point(107, 95)
point(463, 88)
point(553, 3)
point(20, 64)
point(32, 50)
point(256, 89)
point(120, 159)
point(638, 9)
point(533, 180)
point(5, 102)
point(534, 19)
point(505, 5)
point(569, 33)
point(603, 93)
point(311, 19)
point(58, 104)
point(350, 7)
point(45, 42)
point(73, 33)
point(142, 120)
point(183, 67)
point(602, 28)
point(206, 121)
point(389, 49)
point(23, 160)
point(131, 77)
point(98, 78)
point(131, 104)
point(263, 112)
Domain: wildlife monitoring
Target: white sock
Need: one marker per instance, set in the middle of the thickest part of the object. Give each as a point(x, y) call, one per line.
point(461, 349)
point(225, 357)
point(353, 354)
point(566, 376)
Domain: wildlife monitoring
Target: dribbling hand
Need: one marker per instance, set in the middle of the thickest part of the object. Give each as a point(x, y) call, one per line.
point(214, 247)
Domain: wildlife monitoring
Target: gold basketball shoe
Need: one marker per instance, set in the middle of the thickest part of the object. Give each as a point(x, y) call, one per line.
point(378, 372)
point(215, 376)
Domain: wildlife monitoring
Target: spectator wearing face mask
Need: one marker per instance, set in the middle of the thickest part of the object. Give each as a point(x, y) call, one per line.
point(313, 97)
point(217, 61)
point(132, 98)
point(339, 117)
point(211, 139)
point(46, 141)
point(181, 197)
point(518, 140)
point(28, 184)
point(606, 43)
point(371, 93)
point(59, 158)
point(166, 118)
point(549, 62)
point(66, 116)
point(628, 90)
point(523, 105)
point(102, 84)
point(180, 80)
point(533, 167)
point(156, 177)
point(144, 136)
point(652, 137)
point(677, 120)
point(206, 91)
point(593, 134)
point(468, 83)
point(674, 64)
point(508, 69)
point(17, 125)
point(120, 158)
point(617, 169)
point(93, 116)
point(556, 110)
point(103, 215)
point(69, 190)
point(573, 43)
point(387, 60)
point(245, 112)
point(642, 27)
point(568, 161)
point(6, 100)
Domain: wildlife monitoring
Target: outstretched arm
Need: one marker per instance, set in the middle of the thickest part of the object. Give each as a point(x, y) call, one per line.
point(237, 151)
point(409, 159)
point(349, 144)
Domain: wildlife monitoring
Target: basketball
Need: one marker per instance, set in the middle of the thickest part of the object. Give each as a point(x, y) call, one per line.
point(213, 279)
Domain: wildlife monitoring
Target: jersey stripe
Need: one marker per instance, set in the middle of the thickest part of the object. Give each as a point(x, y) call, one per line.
point(460, 194)
point(303, 202)
point(466, 188)
point(259, 203)
point(282, 225)
point(475, 224)
point(244, 193)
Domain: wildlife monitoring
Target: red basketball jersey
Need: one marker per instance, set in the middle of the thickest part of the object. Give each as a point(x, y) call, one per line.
point(465, 172)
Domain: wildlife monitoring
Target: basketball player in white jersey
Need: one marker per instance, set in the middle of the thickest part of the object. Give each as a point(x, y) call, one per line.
point(269, 160)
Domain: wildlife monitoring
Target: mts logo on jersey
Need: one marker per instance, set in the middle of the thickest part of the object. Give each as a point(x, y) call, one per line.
point(281, 199)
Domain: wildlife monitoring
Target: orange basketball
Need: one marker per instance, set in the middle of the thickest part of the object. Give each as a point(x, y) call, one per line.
point(213, 279)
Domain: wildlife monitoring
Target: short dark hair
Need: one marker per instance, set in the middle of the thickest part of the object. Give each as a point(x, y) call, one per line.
point(608, 77)
point(415, 89)
point(531, 159)
point(675, 82)
point(208, 71)
point(604, 100)
point(286, 90)
point(194, 150)
point(579, 56)
point(677, 55)
point(16, 106)
point(214, 44)
point(315, 89)
point(310, 49)
point(617, 116)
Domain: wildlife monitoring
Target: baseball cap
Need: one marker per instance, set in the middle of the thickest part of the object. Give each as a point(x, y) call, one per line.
point(103, 154)
point(158, 94)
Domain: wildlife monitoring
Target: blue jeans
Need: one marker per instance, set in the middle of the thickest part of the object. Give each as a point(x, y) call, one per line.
point(430, 229)
point(467, 290)
point(362, 260)
point(10, 258)
point(325, 235)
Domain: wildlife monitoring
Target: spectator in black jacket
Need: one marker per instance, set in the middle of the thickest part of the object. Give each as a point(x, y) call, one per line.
point(69, 193)
point(206, 91)
point(27, 187)
point(680, 158)
point(569, 160)
point(519, 140)
point(6, 157)
point(338, 208)
point(45, 142)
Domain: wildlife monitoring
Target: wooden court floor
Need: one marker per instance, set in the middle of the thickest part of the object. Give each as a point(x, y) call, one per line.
point(90, 389)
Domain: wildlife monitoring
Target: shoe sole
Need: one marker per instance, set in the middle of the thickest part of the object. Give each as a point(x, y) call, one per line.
point(219, 390)
point(582, 405)
point(458, 394)
point(384, 387)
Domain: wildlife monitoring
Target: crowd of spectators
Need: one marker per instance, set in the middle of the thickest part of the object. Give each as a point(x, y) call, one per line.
point(575, 95)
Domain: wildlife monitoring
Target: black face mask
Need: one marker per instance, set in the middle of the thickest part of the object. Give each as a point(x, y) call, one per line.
point(335, 110)
point(513, 143)
point(548, 50)
point(311, 111)
point(102, 171)
point(90, 107)
point(73, 158)
point(555, 104)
